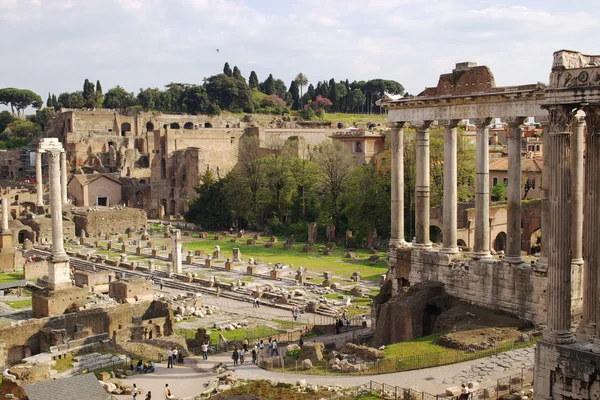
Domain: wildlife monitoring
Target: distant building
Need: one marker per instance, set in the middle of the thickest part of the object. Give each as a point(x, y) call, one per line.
point(94, 189)
point(362, 144)
point(532, 171)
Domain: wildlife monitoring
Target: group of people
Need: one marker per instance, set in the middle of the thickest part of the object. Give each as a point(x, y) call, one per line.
point(174, 356)
point(465, 392)
point(256, 303)
point(240, 356)
point(145, 367)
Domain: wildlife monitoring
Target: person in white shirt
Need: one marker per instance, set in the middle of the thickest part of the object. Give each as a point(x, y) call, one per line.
point(169, 358)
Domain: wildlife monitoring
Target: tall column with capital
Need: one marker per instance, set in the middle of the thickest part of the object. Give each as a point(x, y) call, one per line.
point(397, 232)
point(58, 249)
point(577, 179)
point(481, 247)
point(38, 179)
point(513, 231)
point(558, 328)
point(542, 263)
point(63, 177)
point(450, 187)
point(591, 254)
point(422, 187)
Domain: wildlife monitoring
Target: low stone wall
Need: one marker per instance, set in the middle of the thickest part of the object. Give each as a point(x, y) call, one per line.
point(35, 270)
point(493, 284)
point(107, 220)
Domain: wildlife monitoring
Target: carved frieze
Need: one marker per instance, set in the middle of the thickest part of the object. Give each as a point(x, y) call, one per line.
point(580, 77)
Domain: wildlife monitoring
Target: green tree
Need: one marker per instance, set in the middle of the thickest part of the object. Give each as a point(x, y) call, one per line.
point(251, 175)
point(20, 129)
point(76, 100)
point(89, 94)
point(268, 86)
point(49, 101)
point(20, 99)
point(278, 180)
point(499, 190)
point(333, 95)
point(301, 80)
point(295, 93)
point(99, 95)
point(237, 74)
point(149, 98)
point(229, 93)
point(305, 177)
point(5, 119)
point(210, 208)
point(335, 165)
point(63, 100)
point(196, 100)
point(119, 98)
point(227, 70)
point(253, 80)
point(355, 100)
point(54, 101)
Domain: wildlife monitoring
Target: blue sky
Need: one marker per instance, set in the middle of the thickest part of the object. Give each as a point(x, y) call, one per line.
point(53, 45)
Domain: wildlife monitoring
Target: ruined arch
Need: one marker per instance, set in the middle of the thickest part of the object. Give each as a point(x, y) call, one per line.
point(125, 127)
point(142, 182)
point(188, 125)
point(208, 125)
point(500, 242)
point(461, 243)
point(435, 234)
point(175, 125)
point(340, 125)
point(149, 126)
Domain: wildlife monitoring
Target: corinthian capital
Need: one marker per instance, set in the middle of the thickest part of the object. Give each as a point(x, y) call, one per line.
point(449, 123)
point(592, 119)
point(514, 122)
point(560, 118)
point(397, 125)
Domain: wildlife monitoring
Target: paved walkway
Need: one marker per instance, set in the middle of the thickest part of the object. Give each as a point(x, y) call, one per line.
point(187, 380)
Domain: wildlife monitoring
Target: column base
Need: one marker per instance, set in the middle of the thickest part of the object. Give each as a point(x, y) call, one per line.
point(513, 259)
point(59, 275)
point(449, 250)
point(577, 261)
point(560, 337)
point(398, 243)
point(422, 246)
point(478, 255)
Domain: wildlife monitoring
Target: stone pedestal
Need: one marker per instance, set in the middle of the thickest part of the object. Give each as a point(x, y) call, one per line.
point(251, 270)
point(190, 259)
point(176, 250)
point(275, 274)
point(124, 248)
point(228, 265)
point(139, 251)
point(155, 252)
point(217, 255)
point(208, 263)
point(59, 275)
point(237, 255)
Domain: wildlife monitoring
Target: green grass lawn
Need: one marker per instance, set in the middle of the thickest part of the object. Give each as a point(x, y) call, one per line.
point(6, 277)
point(352, 119)
point(424, 345)
point(237, 334)
point(17, 304)
point(316, 262)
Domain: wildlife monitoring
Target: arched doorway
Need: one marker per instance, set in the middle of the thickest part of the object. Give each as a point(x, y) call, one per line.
point(173, 209)
point(435, 234)
point(340, 125)
point(125, 127)
point(461, 243)
point(139, 199)
point(188, 125)
point(149, 126)
point(175, 125)
point(207, 125)
point(500, 242)
point(536, 241)
point(22, 236)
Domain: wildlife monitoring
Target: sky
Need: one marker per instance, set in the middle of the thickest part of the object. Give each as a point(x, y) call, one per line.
point(54, 45)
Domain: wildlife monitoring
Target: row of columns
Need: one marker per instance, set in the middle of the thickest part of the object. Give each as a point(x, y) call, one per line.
point(481, 248)
point(39, 179)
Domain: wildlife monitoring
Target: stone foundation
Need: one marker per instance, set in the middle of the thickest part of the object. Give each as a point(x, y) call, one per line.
point(108, 220)
point(57, 302)
point(517, 289)
point(566, 371)
point(131, 290)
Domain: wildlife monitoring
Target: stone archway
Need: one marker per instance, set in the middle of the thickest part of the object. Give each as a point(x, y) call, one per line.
point(188, 125)
point(500, 242)
point(435, 234)
point(175, 125)
point(125, 127)
point(149, 126)
point(461, 243)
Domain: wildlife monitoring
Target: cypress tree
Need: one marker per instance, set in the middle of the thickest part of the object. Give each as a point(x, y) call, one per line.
point(253, 80)
point(49, 101)
point(98, 87)
point(227, 69)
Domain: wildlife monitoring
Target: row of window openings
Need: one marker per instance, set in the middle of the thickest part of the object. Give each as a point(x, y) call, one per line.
point(495, 182)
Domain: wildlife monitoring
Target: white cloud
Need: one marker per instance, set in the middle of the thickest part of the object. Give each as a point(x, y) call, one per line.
point(141, 43)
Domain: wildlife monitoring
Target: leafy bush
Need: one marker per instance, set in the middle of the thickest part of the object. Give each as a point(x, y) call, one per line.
point(294, 354)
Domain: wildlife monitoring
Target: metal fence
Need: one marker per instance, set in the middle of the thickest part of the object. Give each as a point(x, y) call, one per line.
point(504, 385)
point(388, 365)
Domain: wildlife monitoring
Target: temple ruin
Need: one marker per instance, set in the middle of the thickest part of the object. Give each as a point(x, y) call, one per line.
point(553, 291)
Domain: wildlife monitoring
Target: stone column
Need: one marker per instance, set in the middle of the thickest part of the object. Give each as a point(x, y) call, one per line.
point(450, 187)
point(422, 187)
point(63, 177)
point(513, 231)
point(591, 254)
point(577, 180)
point(481, 246)
point(176, 251)
point(38, 179)
point(5, 228)
point(397, 232)
point(58, 250)
point(542, 264)
point(558, 328)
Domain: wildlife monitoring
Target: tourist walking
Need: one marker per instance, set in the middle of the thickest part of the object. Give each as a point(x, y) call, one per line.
point(254, 355)
point(347, 325)
point(275, 351)
point(148, 396)
point(175, 354)
point(169, 358)
point(218, 291)
point(301, 341)
point(134, 391)
point(235, 356)
point(168, 394)
point(242, 354)
point(261, 348)
point(245, 344)
point(205, 351)
point(161, 284)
